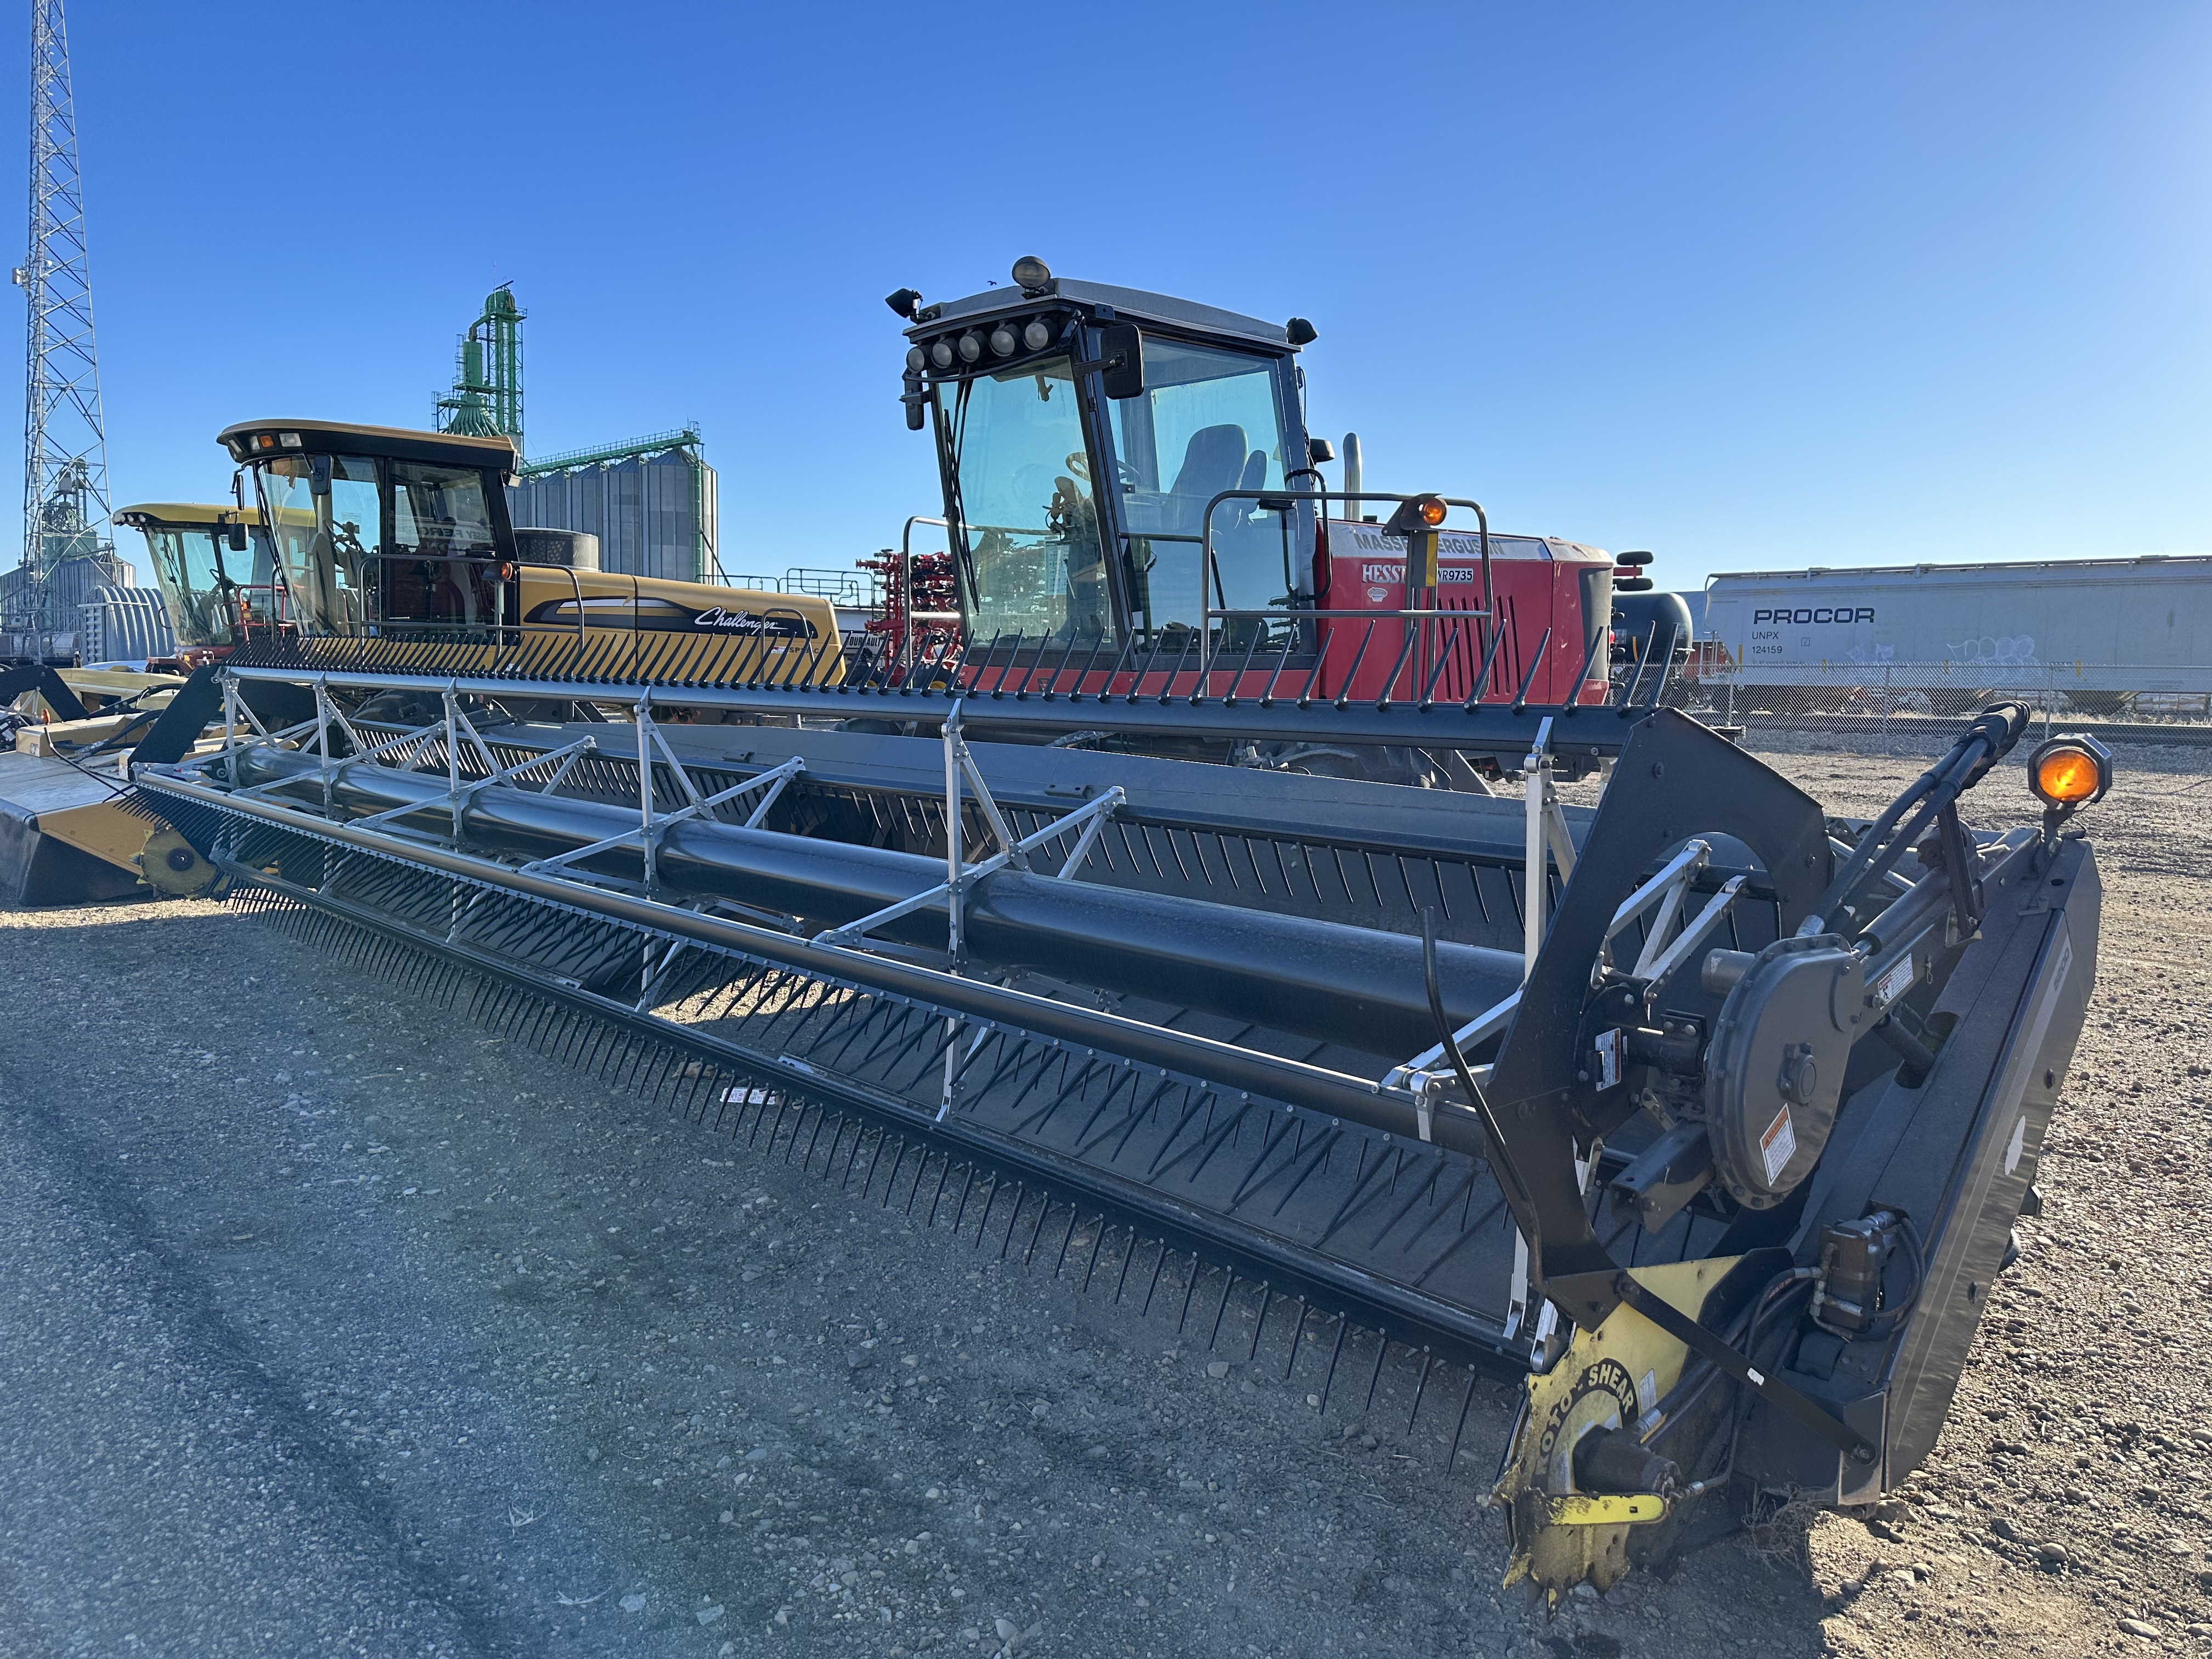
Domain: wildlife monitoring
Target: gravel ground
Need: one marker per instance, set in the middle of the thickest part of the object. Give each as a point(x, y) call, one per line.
point(339, 1326)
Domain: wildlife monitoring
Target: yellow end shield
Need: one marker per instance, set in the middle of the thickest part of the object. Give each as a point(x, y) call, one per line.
point(1609, 1378)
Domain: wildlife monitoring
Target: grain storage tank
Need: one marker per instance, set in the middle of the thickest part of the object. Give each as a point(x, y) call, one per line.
point(651, 504)
point(69, 586)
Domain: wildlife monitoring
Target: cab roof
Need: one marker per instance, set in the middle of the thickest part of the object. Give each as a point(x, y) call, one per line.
point(254, 440)
point(1135, 304)
point(142, 513)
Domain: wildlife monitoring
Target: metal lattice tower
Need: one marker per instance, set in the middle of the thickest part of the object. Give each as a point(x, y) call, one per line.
point(486, 401)
point(65, 504)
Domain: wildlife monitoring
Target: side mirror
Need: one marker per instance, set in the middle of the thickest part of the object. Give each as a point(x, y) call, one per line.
point(236, 539)
point(1319, 450)
point(916, 416)
point(319, 475)
point(1121, 359)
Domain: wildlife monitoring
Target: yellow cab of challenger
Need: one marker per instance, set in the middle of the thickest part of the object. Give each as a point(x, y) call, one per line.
point(403, 538)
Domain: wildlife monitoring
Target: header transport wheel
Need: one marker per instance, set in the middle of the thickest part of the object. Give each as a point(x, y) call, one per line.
point(170, 863)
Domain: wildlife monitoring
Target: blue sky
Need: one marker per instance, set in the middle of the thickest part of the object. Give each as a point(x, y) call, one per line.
point(1754, 287)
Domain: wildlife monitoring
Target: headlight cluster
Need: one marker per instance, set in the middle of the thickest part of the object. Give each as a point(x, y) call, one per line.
point(995, 342)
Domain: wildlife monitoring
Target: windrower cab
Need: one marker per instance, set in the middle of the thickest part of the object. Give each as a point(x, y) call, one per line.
point(216, 570)
point(1131, 493)
point(403, 538)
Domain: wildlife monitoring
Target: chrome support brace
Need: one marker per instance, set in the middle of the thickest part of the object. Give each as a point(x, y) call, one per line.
point(652, 825)
point(960, 770)
point(1548, 842)
point(1419, 1073)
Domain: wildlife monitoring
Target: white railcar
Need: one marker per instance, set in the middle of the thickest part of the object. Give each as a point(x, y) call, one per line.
point(2138, 625)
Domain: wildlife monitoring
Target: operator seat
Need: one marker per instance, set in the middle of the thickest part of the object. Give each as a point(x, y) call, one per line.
point(1242, 560)
point(1213, 461)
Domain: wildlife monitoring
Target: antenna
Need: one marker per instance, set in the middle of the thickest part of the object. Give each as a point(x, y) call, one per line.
point(65, 506)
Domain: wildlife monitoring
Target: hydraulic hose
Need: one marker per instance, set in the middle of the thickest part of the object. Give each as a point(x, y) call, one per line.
point(1987, 740)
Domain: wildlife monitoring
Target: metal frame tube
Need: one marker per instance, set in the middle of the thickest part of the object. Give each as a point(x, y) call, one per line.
point(1352, 985)
point(1483, 728)
point(1200, 1059)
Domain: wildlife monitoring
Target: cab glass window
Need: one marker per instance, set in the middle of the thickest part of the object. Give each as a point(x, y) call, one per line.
point(185, 566)
point(1208, 421)
point(439, 512)
point(1021, 472)
point(323, 538)
point(439, 567)
point(264, 561)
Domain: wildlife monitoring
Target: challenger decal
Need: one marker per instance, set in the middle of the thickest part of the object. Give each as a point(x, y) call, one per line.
point(653, 615)
point(747, 622)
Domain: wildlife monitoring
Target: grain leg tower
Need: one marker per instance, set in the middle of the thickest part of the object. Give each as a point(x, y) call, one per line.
point(651, 501)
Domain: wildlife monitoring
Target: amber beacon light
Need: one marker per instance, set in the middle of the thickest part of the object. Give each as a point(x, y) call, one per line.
point(2069, 772)
point(1416, 520)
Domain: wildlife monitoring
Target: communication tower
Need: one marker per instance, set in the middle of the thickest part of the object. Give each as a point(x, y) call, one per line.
point(65, 506)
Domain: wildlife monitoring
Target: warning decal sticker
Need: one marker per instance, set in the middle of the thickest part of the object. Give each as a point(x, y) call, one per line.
point(1894, 983)
point(1776, 1145)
